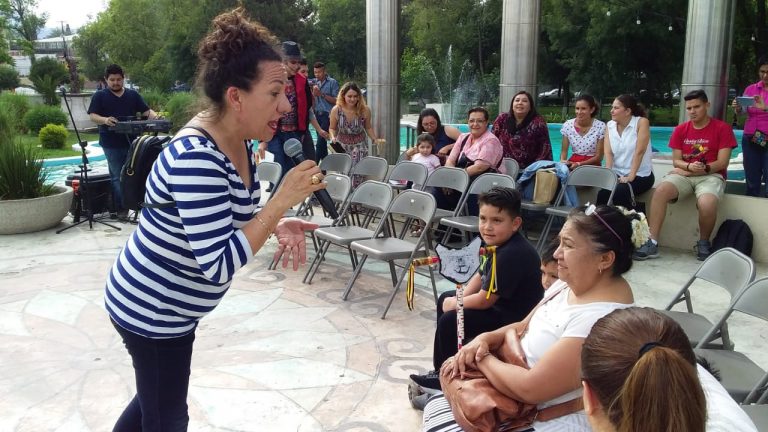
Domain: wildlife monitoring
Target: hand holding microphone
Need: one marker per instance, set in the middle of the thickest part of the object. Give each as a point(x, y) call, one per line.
point(292, 149)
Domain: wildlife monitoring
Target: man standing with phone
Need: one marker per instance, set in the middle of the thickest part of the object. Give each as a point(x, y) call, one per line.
point(324, 90)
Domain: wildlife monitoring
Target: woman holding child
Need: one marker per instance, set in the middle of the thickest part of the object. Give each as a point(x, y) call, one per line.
point(429, 122)
point(595, 251)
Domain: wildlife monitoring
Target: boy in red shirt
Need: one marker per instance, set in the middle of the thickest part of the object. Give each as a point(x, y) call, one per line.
point(701, 150)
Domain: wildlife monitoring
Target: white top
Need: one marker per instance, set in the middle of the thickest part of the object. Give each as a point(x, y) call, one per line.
point(583, 145)
point(555, 320)
point(432, 162)
point(723, 413)
point(623, 147)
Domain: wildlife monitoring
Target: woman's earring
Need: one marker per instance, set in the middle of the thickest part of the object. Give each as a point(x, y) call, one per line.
point(600, 269)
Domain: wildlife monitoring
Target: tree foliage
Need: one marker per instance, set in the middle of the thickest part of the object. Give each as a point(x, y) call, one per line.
point(338, 38)
point(24, 23)
point(46, 75)
point(9, 78)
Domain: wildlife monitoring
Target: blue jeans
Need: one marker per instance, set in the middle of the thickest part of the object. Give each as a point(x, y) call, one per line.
point(321, 148)
point(275, 146)
point(116, 157)
point(161, 367)
point(755, 166)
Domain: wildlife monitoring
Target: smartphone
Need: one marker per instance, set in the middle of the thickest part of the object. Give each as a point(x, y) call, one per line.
point(746, 101)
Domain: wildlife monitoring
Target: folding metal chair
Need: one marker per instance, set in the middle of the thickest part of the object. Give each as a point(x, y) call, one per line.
point(407, 171)
point(482, 184)
point(511, 167)
point(270, 172)
point(586, 175)
point(744, 380)
point(371, 194)
point(372, 167)
point(412, 204)
point(755, 404)
point(338, 187)
point(727, 268)
point(339, 163)
point(455, 179)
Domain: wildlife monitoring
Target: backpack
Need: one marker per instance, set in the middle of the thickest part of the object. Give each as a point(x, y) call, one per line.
point(734, 233)
point(142, 154)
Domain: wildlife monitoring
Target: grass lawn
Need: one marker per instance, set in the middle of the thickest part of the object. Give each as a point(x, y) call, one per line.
point(33, 141)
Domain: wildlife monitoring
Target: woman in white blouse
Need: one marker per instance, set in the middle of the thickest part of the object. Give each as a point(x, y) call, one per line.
point(628, 151)
point(584, 134)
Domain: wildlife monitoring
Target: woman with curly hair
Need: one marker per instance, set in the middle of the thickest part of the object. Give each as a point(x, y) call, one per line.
point(350, 122)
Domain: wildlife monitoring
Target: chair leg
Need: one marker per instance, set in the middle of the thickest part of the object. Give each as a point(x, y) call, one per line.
point(393, 272)
point(319, 258)
point(544, 233)
point(434, 287)
point(396, 287)
point(354, 277)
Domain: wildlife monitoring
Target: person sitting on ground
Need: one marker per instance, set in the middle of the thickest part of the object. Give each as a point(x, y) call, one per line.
point(701, 150)
point(639, 373)
point(486, 308)
point(425, 144)
point(595, 252)
point(585, 134)
point(549, 265)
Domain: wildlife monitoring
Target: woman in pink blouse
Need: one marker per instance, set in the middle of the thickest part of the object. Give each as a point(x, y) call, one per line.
point(753, 148)
point(584, 134)
point(523, 132)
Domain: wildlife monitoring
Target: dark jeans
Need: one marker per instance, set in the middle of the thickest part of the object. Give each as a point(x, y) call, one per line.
point(622, 196)
point(755, 167)
point(321, 149)
point(475, 322)
point(451, 200)
point(161, 367)
point(275, 146)
point(116, 157)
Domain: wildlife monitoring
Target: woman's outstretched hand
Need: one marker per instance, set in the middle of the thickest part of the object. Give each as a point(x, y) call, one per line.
point(291, 241)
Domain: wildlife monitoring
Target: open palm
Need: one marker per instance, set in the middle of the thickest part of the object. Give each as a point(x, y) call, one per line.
point(291, 241)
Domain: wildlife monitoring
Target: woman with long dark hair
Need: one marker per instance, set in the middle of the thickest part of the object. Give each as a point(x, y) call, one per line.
point(584, 134)
point(444, 135)
point(523, 132)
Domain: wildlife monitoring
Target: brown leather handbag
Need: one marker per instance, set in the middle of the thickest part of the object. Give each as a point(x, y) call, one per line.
point(478, 406)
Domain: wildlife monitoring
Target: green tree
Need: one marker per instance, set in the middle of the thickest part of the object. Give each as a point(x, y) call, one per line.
point(9, 78)
point(338, 38)
point(417, 77)
point(90, 49)
point(46, 75)
point(24, 23)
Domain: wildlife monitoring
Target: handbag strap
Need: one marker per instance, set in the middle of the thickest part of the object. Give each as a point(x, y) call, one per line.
point(559, 410)
point(544, 301)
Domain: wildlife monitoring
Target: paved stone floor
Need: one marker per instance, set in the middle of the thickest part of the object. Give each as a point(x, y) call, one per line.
point(276, 355)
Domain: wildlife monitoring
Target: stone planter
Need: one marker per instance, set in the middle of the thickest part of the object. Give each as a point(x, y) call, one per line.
point(36, 214)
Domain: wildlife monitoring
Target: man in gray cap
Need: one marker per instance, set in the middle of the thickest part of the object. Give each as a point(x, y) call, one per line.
point(294, 123)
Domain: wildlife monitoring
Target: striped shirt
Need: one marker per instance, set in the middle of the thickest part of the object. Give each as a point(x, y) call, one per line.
point(180, 261)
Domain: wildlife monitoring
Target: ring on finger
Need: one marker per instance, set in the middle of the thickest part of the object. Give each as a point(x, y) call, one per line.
point(315, 179)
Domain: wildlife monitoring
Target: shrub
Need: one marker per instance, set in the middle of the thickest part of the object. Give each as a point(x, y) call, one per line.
point(156, 99)
point(21, 172)
point(180, 108)
point(7, 126)
point(46, 74)
point(17, 105)
point(9, 78)
point(41, 115)
point(53, 136)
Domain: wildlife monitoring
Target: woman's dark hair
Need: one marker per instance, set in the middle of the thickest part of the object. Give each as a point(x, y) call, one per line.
point(512, 123)
point(590, 101)
point(629, 101)
point(762, 60)
point(427, 138)
point(604, 239)
point(230, 56)
point(428, 112)
point(640, 365)
point(505, 199)
point(480, 110)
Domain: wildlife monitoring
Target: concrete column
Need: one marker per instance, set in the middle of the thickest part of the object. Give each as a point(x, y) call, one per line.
point(519, 49)
point(382, 19)
point(708, 39)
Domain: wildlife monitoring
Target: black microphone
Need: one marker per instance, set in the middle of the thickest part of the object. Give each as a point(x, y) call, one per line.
point(292, 149)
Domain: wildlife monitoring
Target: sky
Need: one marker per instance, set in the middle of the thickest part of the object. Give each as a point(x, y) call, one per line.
point(74, 12)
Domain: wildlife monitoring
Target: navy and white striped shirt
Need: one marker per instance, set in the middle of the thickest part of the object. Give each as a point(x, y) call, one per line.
point(180, 261)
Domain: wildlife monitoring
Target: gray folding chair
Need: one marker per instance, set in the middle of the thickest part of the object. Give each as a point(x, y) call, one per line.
point(372, 167)
point(407, 171)
point(755, 404)
point(412, 204)
point(512, 167)
point(338, 187)
point(270, 172)
point(727, 268)
point(339, 163)
point(455, 179)
point(583, 176)
point(482, 184)
point(371, 194)
point(744, 380)
point(403, 157)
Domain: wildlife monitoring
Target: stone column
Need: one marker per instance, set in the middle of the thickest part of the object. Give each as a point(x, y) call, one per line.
point(708, 39)
point(519, 49)
point(382, 19)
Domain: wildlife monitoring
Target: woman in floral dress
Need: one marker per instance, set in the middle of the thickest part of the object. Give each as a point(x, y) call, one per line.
point(350, 122)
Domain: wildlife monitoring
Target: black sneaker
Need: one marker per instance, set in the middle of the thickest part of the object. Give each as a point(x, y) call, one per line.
point(430, 380)
point(703, 249)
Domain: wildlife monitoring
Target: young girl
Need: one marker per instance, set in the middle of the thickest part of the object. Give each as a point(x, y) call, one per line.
point(424, 144)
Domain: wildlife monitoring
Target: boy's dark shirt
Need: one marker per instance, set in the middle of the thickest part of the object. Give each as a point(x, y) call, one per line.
point(518, 276)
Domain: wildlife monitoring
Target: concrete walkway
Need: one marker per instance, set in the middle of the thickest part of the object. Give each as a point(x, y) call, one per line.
point(276, 355)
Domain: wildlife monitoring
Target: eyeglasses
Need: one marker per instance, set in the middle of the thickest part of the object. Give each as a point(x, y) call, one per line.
point(591, 210)
point(471, 121)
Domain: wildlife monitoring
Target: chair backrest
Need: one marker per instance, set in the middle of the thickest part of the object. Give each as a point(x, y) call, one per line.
point(511, 167)
point(594, 176)
point(411, 171)
point(415, 204)
point(337, 162)
point(727, 268)
point(338, 187)
point(373, 194)
point(449, 177)
point(373, 167)
point(487, 181)
point(403, 157)
point(269, 172)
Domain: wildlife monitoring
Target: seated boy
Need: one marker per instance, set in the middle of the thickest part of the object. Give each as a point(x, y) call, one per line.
point(549, 264)
point(518, 282)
